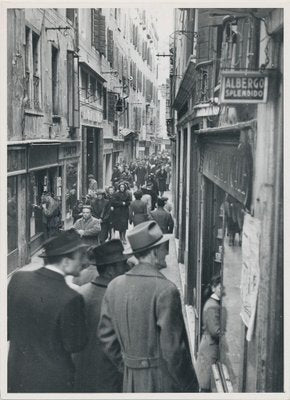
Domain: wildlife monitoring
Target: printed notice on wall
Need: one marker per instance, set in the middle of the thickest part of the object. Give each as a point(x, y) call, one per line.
point(250, 271)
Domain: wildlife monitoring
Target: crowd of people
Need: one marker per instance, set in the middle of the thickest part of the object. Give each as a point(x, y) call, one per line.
point(102, 212)
point(121, 329)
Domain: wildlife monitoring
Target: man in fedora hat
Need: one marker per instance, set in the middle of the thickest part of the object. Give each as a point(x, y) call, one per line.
point(46, 320)
point(141, 325)
point(95, 372)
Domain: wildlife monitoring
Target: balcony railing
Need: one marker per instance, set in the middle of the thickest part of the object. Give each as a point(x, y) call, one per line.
point(207, 78)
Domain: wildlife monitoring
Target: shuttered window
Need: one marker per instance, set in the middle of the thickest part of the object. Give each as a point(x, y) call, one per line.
point(203, 36)
point(144, 86)
point(73, 90)
point(98, 30)
point(110, 49)
point(134, 76)
point(105, 103)
point(111, 106)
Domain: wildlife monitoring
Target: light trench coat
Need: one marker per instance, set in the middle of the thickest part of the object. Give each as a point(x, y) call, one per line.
point(142, 331)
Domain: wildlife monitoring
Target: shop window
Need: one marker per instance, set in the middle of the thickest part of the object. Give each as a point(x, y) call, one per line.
point(12, 214)
point(41, 182)
point(37, 185)
point(71, 186)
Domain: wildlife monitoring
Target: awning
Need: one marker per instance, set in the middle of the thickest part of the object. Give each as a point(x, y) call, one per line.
point(92, 71)
point(186, 85)
point(125, 132)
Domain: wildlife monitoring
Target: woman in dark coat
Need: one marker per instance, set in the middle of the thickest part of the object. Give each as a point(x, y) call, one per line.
point(138, 211)
point(209, 345)
point(161, 179)
point(121, 201)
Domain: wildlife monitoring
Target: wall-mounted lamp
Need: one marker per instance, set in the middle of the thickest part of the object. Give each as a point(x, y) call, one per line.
point(112, 72)
point(58, 28)
point(188, 34)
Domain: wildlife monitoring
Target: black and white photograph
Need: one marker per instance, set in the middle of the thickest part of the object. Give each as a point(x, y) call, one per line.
point(144, 201)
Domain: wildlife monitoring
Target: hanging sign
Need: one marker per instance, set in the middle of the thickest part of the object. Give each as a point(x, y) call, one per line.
point(250, 271)
point(244, 87)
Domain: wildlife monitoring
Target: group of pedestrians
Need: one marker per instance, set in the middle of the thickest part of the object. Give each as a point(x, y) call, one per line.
point(104, 211)
point(121, 332)
point(122, 329)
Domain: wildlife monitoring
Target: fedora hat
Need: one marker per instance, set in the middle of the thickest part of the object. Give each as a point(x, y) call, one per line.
point(145, 236)
point(108, 253)
point(63, 243)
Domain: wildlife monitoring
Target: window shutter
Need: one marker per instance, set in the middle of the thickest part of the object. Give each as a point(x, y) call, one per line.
point(203, 38)
point(104, 103)
point(111, 106)
point(110, 53)
point(93, 26)
point(70, 89)
point(102, 34)
point(144, 85)
point(125, 68)
point(96, 18)
point(76, 117)
point(134, 76)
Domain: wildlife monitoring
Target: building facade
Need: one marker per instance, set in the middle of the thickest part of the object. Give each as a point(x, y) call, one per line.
point(82, 96)
point(43, 123)
point(226, 82)
point(118, 88)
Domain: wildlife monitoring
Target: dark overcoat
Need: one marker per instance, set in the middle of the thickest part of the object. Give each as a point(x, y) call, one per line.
point(161, 178)
point(142, 331)
point(46, 323)
point(121, 211)
point(208, 349)
point(95, 372)
point(138, 212)
point(163, 219)
point(141, 174)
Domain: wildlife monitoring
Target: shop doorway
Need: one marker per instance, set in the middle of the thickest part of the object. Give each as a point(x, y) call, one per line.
point(92, 156)
point(222, 254)
point(41, 181)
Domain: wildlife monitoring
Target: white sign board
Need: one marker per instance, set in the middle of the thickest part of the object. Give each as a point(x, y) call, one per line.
point(250, 271)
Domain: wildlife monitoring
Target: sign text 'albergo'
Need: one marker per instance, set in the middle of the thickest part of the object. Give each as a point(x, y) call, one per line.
point(244, 87)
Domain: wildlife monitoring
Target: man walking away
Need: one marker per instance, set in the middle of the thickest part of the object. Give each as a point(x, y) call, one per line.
point(141, 325)
point(95, 373)
point(138, 211)
point(46, 321)
point(162, 217)
point(166, 223)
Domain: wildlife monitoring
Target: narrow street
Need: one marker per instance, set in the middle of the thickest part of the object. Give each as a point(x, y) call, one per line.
point(124, 125)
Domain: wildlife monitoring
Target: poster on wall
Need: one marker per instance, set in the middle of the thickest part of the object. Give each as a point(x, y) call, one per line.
point(250, 271)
